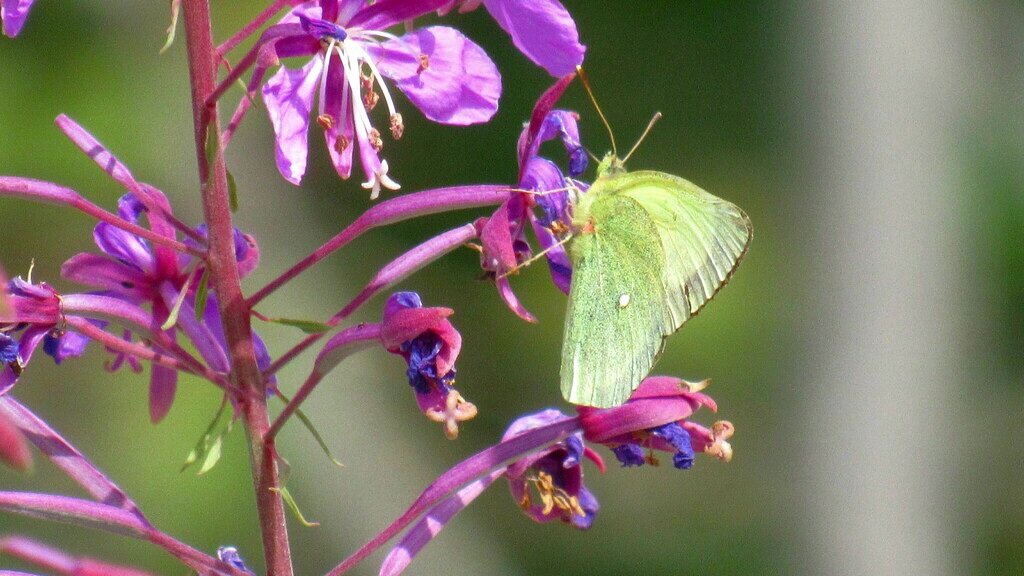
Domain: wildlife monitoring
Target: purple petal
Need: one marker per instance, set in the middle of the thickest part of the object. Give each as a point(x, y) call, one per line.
point(102, 272)
point(14, 450)
point(163, 383)
point(431, 525)
point(288, 95)
point(460, 85)
point(527, 145)
point(386, 13)
point(124, 246)
point(337, 106)
point(13, 13)
point(558, 259)
point(543, 30)
point(27, 344)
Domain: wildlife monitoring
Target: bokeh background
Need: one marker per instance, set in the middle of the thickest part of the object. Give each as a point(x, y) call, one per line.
point(869, 350)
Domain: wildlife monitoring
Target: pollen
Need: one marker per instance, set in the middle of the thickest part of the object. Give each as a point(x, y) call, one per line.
point(424, 63)
point(552, 497)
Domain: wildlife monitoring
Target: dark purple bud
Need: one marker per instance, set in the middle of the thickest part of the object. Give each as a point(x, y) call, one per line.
point(321, 29)
point(8, 349)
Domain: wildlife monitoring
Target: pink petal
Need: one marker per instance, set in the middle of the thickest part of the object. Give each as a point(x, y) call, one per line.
point(408, 323)
point(460, 85)
point(13, 13)
point(163, 384)
point(543, 30)
point(505, 291)
point(102, 272)
point(288, 95)
point(13, 448)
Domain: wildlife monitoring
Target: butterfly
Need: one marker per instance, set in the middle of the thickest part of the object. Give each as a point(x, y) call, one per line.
point(648, 251)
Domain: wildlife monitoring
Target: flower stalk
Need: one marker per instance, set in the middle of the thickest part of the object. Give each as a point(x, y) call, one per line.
point(224, 279)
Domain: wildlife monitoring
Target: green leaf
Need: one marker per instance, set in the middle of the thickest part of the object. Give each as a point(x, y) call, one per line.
point(202, 294)
point(212, 150)
point(287, 497)
point(312, 430)
point(172, 318)
point(209, 448)
point(173, 28)
point(232, 192)
point(307, 326)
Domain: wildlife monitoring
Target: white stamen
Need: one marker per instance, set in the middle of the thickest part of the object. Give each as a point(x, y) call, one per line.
point(323, 76)
point(380, 178)
point(372, 33)
point(362, 54)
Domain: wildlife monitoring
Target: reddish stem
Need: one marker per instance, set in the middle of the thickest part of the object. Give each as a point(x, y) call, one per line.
point(224, 280)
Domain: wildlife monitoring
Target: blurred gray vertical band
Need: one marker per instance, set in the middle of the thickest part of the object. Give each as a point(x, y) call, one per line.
point(884, 94)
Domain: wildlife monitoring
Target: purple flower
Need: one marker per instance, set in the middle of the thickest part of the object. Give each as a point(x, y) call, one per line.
point(135, 270)
point(430, 345)
point(230, 555)
point(13, 14)
point(656, 419)
point(543, 30)
point(555, 474)
point(544, 450)
point(543, 185)
point(34, 314)
point(444, 74)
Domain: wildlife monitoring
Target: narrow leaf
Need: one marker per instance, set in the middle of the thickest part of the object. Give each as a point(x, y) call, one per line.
point(294, 507)
point(312, 430)
point(232, 192)
point(203, 446)
point(213, 454)
point(307, 326)
point(202, 294)
point(172, 318)
point(173, 28)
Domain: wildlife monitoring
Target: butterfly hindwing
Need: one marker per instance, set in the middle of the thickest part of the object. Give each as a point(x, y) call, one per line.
point(616, 316)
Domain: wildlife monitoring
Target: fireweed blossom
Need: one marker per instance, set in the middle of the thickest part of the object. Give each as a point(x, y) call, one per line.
point(444, 74)
point(34, 317)
point(543, 30)
point(132, 269)
point(13, 13)
point(542, 452)
point(429, 343)
point(540, 202)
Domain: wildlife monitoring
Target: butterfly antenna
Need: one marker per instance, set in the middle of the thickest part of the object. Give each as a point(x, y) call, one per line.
point(650, 125)
point(536, 257)
point(590, 92)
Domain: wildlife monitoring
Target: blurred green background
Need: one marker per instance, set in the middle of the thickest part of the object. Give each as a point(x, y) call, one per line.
point(868, 351)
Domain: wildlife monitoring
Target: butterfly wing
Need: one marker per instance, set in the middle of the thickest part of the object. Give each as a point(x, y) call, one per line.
point(666, 244)
point(616, 316)
point(703, 237)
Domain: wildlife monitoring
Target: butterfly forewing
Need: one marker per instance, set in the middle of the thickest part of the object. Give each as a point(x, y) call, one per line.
point(703, 237)
point(616, 317)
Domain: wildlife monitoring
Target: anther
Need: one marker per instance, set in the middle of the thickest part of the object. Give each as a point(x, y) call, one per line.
point(342, 143)
point(326, 121)
point(375, 140)
point(424, 63)
point(397, 126)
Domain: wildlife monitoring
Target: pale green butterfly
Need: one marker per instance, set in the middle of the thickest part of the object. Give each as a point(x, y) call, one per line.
point(648, 250)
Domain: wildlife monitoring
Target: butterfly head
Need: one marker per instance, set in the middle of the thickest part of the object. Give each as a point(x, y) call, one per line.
point(610, 165)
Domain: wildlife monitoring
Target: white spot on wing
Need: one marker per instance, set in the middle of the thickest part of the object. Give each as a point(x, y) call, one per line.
point(623, 300)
